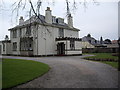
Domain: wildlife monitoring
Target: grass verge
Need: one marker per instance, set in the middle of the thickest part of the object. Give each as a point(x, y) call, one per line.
point(16, 71)
point(104, 58)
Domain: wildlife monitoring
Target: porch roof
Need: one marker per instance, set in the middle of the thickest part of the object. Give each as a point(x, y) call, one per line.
point(68, 38)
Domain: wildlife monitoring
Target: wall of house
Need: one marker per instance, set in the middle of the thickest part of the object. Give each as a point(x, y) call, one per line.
point(78, 49)
point(68, 51)
point(71, 33)
point(43, 39)
point(7, 48)
point(46, 40)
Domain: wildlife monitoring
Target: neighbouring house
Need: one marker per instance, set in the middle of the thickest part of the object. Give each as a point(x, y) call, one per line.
point(5, 46)
point(43, 35)
point(94, 46)
point(90, 39)
point(86, 44)
point(114, 41)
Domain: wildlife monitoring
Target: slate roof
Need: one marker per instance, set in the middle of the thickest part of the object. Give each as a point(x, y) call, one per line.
point(41, 20)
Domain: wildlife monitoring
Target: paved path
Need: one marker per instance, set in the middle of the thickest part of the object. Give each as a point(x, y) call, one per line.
point(73, 72)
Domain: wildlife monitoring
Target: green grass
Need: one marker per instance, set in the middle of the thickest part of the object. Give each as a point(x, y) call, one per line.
point(113, 64)
point(16, 71)
point(104, 56)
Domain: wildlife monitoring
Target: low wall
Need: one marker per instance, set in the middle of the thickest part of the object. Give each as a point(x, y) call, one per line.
point(73, 52)
point(100, 50)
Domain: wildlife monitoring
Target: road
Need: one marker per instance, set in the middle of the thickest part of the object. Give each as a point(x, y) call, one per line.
point(72, 72)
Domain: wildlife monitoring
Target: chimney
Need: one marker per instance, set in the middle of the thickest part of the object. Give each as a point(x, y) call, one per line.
point(21, 20)
point(6, 37)
point(70, 21)
point(48, 16)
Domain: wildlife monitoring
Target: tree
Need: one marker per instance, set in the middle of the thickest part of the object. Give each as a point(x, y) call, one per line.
point(88, 35)
point(20, 5)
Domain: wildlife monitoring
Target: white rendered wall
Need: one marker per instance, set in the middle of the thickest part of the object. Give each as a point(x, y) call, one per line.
point(71, 33)
point(46, 40)
point(73, 52)
point(7, 48)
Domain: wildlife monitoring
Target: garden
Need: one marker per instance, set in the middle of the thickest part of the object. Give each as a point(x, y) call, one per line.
point(107, 58)
point(16, 71)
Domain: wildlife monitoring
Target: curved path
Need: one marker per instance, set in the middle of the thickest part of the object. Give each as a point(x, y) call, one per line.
point(73, 72)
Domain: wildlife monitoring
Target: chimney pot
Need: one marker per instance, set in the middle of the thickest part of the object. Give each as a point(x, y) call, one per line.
point(70, 21)
point(21, 20)
point(48, 8)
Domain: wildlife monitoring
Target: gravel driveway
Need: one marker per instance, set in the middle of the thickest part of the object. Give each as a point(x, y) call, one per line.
point(73, 72)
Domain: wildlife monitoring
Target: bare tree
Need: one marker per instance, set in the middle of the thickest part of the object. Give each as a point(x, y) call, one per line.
point(21, 5)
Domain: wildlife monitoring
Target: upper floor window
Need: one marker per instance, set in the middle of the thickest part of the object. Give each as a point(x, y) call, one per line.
point(72, 44)
point(28, 30)
point(14, 46)
point(14, 33)
point(61, 32)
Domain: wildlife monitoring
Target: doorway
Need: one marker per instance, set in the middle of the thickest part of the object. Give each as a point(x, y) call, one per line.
point(61, 48)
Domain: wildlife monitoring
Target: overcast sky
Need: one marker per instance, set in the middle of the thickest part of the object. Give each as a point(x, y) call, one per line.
point(98, 20)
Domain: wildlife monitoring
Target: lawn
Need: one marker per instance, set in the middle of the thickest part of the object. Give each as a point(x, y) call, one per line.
point(16, 71)
point(104, 56)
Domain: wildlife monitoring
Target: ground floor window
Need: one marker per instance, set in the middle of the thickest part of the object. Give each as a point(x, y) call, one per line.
point(3, 46)
point(14, 46)
point(26, 44)
point(72, 44)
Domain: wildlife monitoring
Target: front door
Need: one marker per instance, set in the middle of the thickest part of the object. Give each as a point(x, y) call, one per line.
point(61, 48)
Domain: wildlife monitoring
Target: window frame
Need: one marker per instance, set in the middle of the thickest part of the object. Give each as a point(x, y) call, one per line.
point(61, 32)
point(14, 33)
point(14, 48)
point(72, 44)
point(28, 30)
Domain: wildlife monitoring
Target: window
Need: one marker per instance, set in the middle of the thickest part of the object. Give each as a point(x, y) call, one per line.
point(89, 41)
point(26, 44)
point(72, 44)
point(20, 32)
point(28, 30)
point(3, 47)
point(53, 19)
point(14, 46)
point(14, 33)
point(61, 32)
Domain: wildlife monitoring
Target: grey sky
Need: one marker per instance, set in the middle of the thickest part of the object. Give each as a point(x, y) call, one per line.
point(98, 20)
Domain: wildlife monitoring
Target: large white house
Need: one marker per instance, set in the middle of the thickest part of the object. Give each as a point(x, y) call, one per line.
point(43, 35)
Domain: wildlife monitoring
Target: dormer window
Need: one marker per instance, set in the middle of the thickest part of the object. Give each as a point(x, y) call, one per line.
point(60, 20)
point(53, 19)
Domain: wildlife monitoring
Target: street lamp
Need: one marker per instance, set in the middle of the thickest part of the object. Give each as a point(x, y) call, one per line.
point(119, 55)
